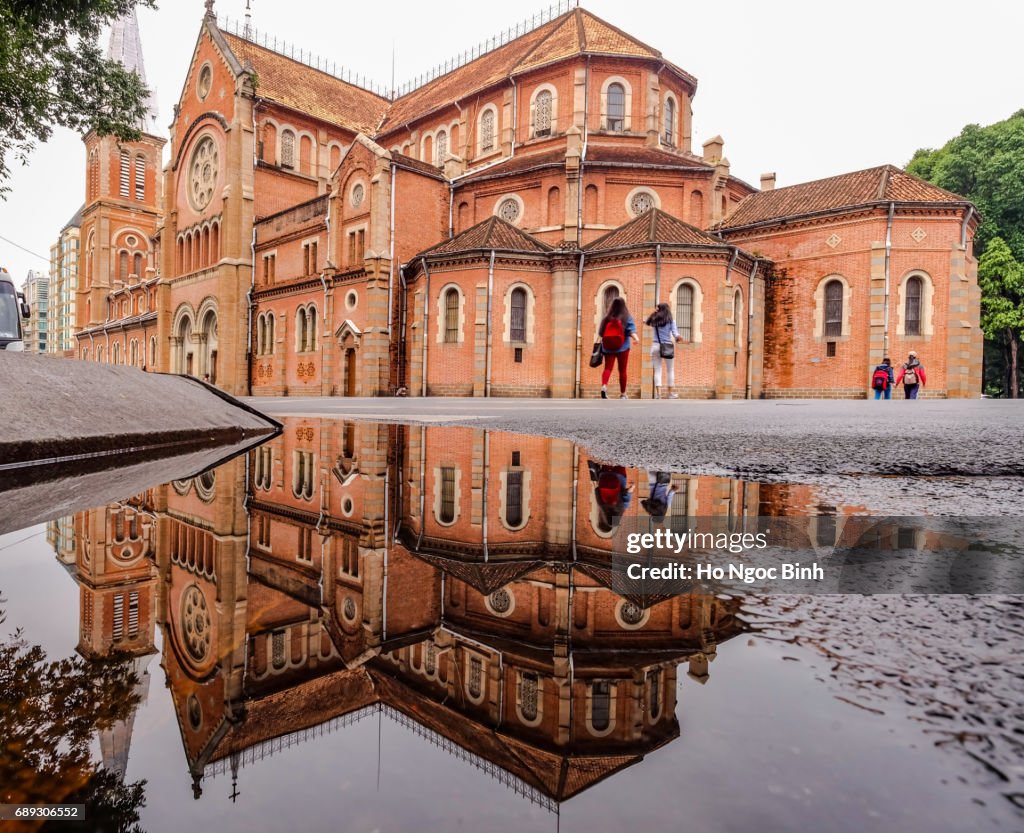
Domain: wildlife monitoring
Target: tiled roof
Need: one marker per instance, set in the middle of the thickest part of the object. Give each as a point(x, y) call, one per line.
point(309, 90)
point(517, 163)
point(492, 233)
point(654, 226)
point(635, 155)
point(577, 32)
point(411, 164)
point(875, 185)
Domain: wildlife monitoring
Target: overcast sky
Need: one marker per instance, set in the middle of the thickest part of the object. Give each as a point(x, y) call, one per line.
point(800, 87)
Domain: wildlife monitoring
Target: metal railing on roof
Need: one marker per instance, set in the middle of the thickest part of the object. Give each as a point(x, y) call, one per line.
point(244, 29)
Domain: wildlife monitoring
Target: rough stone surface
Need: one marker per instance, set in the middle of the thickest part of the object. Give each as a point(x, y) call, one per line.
point(53, 408)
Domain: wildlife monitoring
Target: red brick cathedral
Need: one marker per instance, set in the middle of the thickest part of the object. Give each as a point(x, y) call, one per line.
point(466, 235)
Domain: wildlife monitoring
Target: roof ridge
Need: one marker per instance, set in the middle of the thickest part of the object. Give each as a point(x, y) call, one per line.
point(543, 40)
point(581, 33)
point(626, 35)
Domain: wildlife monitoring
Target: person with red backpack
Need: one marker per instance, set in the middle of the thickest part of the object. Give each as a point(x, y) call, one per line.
point(615, 332)
point(882, 379)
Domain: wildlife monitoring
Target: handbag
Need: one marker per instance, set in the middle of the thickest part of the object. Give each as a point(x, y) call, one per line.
point(597, 355)
point(666, 349)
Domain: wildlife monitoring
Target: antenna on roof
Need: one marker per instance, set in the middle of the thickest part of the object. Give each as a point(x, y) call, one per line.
point(247, 31)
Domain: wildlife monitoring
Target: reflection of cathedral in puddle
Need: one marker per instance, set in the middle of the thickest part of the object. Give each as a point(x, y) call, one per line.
point(488, 625)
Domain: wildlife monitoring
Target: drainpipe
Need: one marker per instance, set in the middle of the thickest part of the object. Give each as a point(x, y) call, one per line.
point(402, 314)
point(515, 110)
point(426, 329)
point(391, 257)
point(451, 209)
point(888, 256)
point(728, 277)
point(487, 463)
point(490, 336)
point(423, 484)
point(963, 227)
point(750, 326)
point(575, 506)
point(579, 325)
point(657, 294)
point(583, 155)
point(251, 302)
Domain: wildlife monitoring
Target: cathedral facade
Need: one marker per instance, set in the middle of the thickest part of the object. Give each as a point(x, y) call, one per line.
point(465, 236)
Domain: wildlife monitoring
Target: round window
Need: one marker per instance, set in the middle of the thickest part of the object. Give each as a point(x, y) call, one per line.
point(351, 300)
point(202, 173)
point(349, 609)
point(205, 81)
point(195, 712)
point(347, 506)
point(641, 203)
point(131, 240)
point(358, 192)
point(195, 623)
point(509, 210)
point(501, 601)
point(631, 614)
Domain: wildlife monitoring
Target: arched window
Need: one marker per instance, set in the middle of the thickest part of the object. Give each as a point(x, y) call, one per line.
point(833, 309)
point(654, 694)
point(514, 499)
point(610, 294)
point(287, 149)
point(528, 685)
point(517, 331)
point(616, 107)
point(697, 209)
point(151, 359)
point(555, 217)
point(122, 266)
point(684, 312)
point(542, 113)
point(301, 330)
point(669, 137)
point(590, 205)
point(446, 515)
point(600, 705)
point(440, 147)
point(137, 264)
point(475, 678)
point(268, 319)
point(451, 316)
point(487, 121)
point(126, 174)
point(912, 318)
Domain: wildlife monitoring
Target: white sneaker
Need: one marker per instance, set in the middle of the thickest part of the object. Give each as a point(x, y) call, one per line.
point(673, 396)
point(623, 396)
point(604, 391)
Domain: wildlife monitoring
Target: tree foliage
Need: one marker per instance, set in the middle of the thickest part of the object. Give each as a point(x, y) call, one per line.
point(50, 711)
point(53, 73)
point(986, 165)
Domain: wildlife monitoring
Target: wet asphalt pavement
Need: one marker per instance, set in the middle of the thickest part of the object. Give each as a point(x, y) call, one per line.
point(784, 439)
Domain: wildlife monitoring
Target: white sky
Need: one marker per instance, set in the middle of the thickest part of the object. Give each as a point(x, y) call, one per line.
point(801, 87)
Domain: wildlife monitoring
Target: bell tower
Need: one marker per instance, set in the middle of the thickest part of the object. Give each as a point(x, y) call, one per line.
point(122, 196)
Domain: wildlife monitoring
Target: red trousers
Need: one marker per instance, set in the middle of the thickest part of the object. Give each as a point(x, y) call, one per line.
point(609, 361)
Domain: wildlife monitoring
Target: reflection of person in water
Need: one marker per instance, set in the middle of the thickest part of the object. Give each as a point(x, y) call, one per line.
point(613, 492)
point(659, 499)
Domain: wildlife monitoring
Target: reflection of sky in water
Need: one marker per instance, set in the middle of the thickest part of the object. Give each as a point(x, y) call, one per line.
point(774, 738)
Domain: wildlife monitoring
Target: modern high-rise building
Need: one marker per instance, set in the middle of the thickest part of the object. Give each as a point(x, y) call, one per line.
point(37, 292)
point(64, 287)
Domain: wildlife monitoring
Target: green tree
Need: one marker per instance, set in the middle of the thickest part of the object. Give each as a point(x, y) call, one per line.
point(986, 165)
point(1001, 277)
point(53, 73)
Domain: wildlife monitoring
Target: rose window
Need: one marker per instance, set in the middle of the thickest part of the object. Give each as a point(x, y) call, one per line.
point(641, 203)
point(203, 173)
point(349, 609)
point(631, 614)
point(195, 623)
point(509, 210)
point(357, 196)
point(501, 601)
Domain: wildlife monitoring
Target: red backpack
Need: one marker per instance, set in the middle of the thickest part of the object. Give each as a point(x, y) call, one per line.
point(614, 336)
point(880, 379)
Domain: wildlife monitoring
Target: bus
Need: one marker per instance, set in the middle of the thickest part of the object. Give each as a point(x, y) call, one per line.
point(12, 309)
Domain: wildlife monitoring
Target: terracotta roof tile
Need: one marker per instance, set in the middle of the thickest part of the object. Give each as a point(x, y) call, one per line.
point(576, 32)
point(309, 90)
point(516, 164)
point(874, 185)
point(654, 226)
point(636, 155)
point(492, 233)
point(411, 164)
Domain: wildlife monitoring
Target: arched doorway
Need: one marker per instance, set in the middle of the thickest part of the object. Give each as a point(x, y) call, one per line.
point(208, 338)
point(183, 347)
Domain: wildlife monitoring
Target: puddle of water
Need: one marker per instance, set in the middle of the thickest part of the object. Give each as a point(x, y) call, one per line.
point(416, 627)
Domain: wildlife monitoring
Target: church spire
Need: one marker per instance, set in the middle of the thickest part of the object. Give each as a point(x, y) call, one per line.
point(125, 47)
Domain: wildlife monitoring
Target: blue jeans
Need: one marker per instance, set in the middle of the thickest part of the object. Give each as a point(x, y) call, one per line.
point(887, 392)
point(911, 391)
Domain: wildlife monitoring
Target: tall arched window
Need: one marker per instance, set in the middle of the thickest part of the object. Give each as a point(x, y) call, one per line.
point(287, 149)
point(684, 312)
point(600, 705)
point(447, 513)
point(440, 147)
point(140, 177)
point(487, 131)
point(616, 107)
point(514, 499)
point(610, 294)
point(833, 309)
point(122, 266)
point(542, 113)
point(137, 265)
point(517, 330)
point(670, 122)
point(590, 205)
point(912, 319)
point(451, 316)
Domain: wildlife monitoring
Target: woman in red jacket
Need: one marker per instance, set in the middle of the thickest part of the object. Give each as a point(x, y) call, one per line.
point(911, 375)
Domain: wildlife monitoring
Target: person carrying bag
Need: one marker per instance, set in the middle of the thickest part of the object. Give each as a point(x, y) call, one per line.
point(663, 349)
